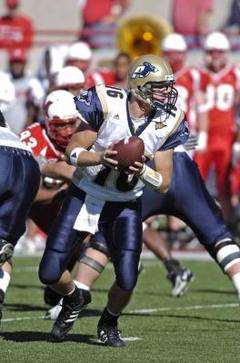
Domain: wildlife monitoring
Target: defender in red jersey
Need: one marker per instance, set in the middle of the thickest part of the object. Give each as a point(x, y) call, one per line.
point(48, 141)
point(188, 84)
point(221, 82)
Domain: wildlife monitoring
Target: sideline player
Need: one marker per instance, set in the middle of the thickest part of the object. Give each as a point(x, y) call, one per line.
point(110, 114)
point(222, 84)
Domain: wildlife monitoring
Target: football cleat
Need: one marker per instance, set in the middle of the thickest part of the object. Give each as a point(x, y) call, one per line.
point(53, 313)
point(51, 297)
point(71, 307)
point(180, 281)
point(6, 251)
point(110, 335)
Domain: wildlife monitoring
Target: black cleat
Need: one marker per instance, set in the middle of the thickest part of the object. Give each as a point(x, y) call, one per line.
point(51, 297)
point(180, 281)
point(6, 251)
point(71, 307)
point(110, 335)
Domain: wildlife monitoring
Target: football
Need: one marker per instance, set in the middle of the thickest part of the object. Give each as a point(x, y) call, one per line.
point(129, 150)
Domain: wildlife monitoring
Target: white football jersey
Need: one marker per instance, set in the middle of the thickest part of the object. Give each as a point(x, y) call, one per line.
point(106, 110)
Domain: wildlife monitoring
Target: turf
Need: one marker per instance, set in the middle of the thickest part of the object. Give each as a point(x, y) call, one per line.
point(198, 327)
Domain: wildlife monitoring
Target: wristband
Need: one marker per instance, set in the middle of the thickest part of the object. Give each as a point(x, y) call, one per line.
point(73, 158)
point(150, 177)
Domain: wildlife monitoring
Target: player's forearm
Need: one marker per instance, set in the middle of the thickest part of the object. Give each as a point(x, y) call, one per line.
point(79, 156)
point(60, 170)
point(159, 181)
point(44, 195)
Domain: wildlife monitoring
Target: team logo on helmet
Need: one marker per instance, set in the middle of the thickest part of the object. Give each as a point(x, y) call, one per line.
point(144, 70)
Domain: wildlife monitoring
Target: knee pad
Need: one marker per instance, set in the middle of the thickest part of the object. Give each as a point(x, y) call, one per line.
point(227, 253)
point(51, 267)
point(126, 268)
point(91, 262)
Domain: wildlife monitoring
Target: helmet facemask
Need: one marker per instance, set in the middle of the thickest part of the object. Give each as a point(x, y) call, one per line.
point(159, 95)
point(61, 130)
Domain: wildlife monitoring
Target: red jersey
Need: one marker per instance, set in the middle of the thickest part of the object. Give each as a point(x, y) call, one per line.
point(222, 89)
point(188, 86)
point(16, 32)
point(35, 137)
point(101, 76)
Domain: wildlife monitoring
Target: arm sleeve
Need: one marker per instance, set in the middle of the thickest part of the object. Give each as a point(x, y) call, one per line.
point(179, 137)
point(90, 108)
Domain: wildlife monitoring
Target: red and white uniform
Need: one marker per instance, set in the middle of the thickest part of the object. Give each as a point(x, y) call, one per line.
point(188, 85)
point(101, 76)
point(36, 138)
point(222, 89)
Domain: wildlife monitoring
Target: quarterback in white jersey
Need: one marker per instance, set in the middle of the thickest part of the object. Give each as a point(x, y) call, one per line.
point(100, 196)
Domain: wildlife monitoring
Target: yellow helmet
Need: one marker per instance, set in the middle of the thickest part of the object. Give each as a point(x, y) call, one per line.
point(151, 79)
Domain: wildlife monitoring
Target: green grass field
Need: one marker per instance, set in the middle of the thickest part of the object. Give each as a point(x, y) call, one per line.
point(202, 326)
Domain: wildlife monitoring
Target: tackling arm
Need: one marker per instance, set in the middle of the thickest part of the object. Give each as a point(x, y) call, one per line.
point(59, 170)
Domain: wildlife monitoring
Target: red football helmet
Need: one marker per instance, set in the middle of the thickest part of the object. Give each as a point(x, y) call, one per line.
point(61, 117)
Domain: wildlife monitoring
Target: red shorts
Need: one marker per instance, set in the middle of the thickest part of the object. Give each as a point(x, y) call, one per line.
point(220, 159)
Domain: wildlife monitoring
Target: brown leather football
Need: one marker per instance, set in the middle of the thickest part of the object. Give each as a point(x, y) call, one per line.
point(129, 150)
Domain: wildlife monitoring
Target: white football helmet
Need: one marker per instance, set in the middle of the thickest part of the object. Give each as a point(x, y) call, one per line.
point(174, 42)
point(70, 77)
point(151, 80)
point(61, 117)
point(216, 41)
point(79, 51)
point(216, 47)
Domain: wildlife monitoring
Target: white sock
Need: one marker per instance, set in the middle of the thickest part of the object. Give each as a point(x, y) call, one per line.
point(80, 285)
point(4, 280)
point(236, 281)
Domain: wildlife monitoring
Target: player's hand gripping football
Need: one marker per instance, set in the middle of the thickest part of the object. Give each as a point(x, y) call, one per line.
point(106, 158)
point(137, 167)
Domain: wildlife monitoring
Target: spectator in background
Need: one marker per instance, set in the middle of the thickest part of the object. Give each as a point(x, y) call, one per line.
point(28, 91)
point(191, 18)
point(234, 16)
point(121, 66)
point(100, 20)
point(16, 31)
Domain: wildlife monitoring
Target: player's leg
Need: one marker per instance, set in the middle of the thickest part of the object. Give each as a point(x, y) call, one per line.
point(18, 189)
point(204, 160)
point(125, 236)
point(223, 170)
point(178, 275)
point(154, 203)
point(196, 207)
point(61, 243)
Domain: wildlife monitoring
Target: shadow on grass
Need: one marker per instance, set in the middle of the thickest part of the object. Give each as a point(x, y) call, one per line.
point(33, 336)
point(26, 286)
point(24, 307)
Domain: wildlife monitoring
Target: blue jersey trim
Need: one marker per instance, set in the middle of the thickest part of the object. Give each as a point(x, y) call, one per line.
point(179, 137)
